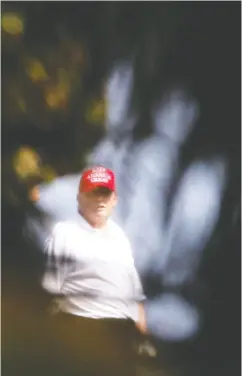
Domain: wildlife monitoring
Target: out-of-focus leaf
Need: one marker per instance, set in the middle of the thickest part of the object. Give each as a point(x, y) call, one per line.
point(12, 23)
point(26, 162)
point(36, 70)
point(96, 112)
point(56, 97)
point(22, 105)
point(48, 173)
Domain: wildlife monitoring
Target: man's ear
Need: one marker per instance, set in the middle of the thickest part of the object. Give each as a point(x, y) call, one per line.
point(115, 199)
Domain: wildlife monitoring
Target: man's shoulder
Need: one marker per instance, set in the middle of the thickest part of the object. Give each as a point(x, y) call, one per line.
point(64, 227)
point(117, 230)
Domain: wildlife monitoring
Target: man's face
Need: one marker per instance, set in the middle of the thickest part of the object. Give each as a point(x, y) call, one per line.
point(97, 205)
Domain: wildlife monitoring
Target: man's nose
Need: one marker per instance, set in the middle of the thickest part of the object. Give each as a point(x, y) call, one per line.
point(100, 197)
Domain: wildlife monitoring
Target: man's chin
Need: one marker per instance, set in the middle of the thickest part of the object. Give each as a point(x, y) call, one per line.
point(101, 214)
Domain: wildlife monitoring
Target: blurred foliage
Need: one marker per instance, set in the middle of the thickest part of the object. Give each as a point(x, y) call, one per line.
point(48, 173)
point(36, 70)
point(48, 103)
point(26, 163)
point(35, 86)
point(95, 113)
point(12, 23)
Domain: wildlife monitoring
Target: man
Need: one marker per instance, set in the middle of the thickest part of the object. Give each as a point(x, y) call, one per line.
point(90, 269)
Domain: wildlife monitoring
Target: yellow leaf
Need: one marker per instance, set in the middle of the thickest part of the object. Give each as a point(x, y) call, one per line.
point(22, 105)
point(48, 173)
point(50, 98)
point(57, 97)
point(26, 162)
point(12, 23)
point(36, 70)
point(96, 112)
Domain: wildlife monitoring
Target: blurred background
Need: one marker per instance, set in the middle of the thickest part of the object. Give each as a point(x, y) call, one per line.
point(153, 91)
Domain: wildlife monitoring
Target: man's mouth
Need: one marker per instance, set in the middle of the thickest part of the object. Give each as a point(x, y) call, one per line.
point(100, 207)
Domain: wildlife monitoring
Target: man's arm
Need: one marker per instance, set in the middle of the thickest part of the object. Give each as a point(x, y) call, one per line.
point(140, 320)
point(55, 266)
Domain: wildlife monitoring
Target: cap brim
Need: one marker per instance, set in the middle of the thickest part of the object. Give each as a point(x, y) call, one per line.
point(93, 186)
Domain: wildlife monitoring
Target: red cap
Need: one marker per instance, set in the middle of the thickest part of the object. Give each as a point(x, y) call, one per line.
point(97, 177)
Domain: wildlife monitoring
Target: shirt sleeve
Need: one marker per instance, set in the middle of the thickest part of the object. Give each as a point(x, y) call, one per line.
point(138, 295)
point(55, 265)
point(138, 288)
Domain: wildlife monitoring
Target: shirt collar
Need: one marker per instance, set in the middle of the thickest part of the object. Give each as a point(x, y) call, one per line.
point(84, 224)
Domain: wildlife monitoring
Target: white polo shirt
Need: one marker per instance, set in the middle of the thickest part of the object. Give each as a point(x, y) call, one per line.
point(92, 270)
